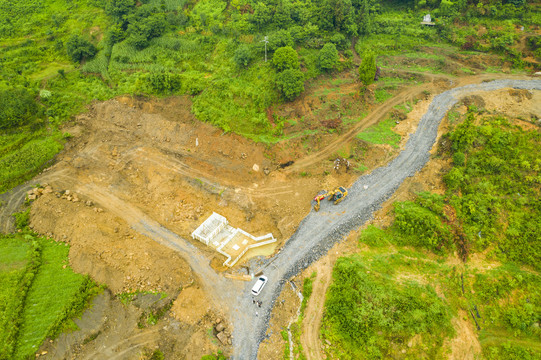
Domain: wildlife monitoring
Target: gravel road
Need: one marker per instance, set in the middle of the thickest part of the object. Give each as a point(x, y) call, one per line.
point(318, 232)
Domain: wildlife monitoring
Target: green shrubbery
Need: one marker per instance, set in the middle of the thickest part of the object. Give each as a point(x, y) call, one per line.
point(370, 316)
point(491, 196)
point(290, 83)
point(367, 69)
point(285, 58)
point(18, 107)
point(328, 57)
point(80, 49)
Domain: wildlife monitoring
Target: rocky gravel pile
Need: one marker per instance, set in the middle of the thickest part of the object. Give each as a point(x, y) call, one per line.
point(318, 232)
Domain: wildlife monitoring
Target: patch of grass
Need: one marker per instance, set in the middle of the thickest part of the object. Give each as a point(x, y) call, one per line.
point(369, 315)
point(406, 107)
point(307, 291)
point(40, 293)
point(285, 337)
point(381, 133)
point(381, 95)
point(453, 116)
point(361, 168)
point(24, 156)
point(56, 294)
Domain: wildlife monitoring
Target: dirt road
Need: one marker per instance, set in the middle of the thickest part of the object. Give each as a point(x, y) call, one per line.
point(313, 314)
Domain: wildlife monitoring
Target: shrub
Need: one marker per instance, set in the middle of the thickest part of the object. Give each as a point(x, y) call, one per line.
point(279, 39)
point(119, 8)
point(17, 108)
point(339, 40)
point(328, 57)
point(80, 49)
point(242, 56)
point(144, 29)
point(368, 314)
point(367, 69)
point(459, 159)
point(163, 82)
point(285, 58)
point(420, 226)
point(290, 82)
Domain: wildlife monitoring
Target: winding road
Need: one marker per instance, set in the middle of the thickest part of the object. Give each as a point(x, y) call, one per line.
point(315, 235)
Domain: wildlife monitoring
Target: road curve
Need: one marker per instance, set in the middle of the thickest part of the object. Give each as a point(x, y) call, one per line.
point(318, 232)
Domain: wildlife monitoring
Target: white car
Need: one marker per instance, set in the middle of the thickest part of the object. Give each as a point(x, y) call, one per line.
point(259, 285)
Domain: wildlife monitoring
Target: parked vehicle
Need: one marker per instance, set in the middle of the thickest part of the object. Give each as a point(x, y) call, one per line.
point(259, 285)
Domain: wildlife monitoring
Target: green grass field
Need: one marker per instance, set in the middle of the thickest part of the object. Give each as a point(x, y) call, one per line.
point(39, 294)
point(382, 133)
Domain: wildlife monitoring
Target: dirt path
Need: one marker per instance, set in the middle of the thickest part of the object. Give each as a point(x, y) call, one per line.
point(314, 310)
point(408, 94)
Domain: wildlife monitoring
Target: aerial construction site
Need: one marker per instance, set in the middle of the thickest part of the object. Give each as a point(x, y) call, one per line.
point(152, 201)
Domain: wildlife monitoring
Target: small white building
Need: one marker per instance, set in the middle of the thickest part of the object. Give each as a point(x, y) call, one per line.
point(231, 242)
point(427, 20)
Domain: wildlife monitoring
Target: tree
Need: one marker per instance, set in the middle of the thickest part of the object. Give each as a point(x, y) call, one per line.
point(328, 57)
point(337, 15)
point(367, 69)
point(290, 82)
point(242, 56)
point(119, 8)
point(285, 58)
point(262, 15)
point(143, 29)
point(279, 39)
point(80, 49)
point(17, 108)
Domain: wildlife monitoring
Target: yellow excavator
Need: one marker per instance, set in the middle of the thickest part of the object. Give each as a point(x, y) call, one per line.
point(336, 195)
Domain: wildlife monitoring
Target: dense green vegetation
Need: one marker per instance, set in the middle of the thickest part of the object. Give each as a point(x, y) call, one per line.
point(381, 306)
point(71, 52)
point(368, 315)
point(491, 205)
point(32, 269)
point(491, 199)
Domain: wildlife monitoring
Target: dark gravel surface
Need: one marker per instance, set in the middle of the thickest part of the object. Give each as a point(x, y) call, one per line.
point(318, 232)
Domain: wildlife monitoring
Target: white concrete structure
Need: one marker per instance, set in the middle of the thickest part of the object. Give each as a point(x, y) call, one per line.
point(231, 242)
point(210, 228)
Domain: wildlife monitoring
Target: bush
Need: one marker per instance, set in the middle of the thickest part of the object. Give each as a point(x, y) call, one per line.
point(163, 82)
point(459, 159)
point(80, 49)
point(18, 107)
point(119, 8)
point(328, 57)
point(146, 28)
point(339, 40)
point(279, 39)
point(242, 56)
point(285, 58)
point(420, 226)
point(290, 82)
point(367, 69)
